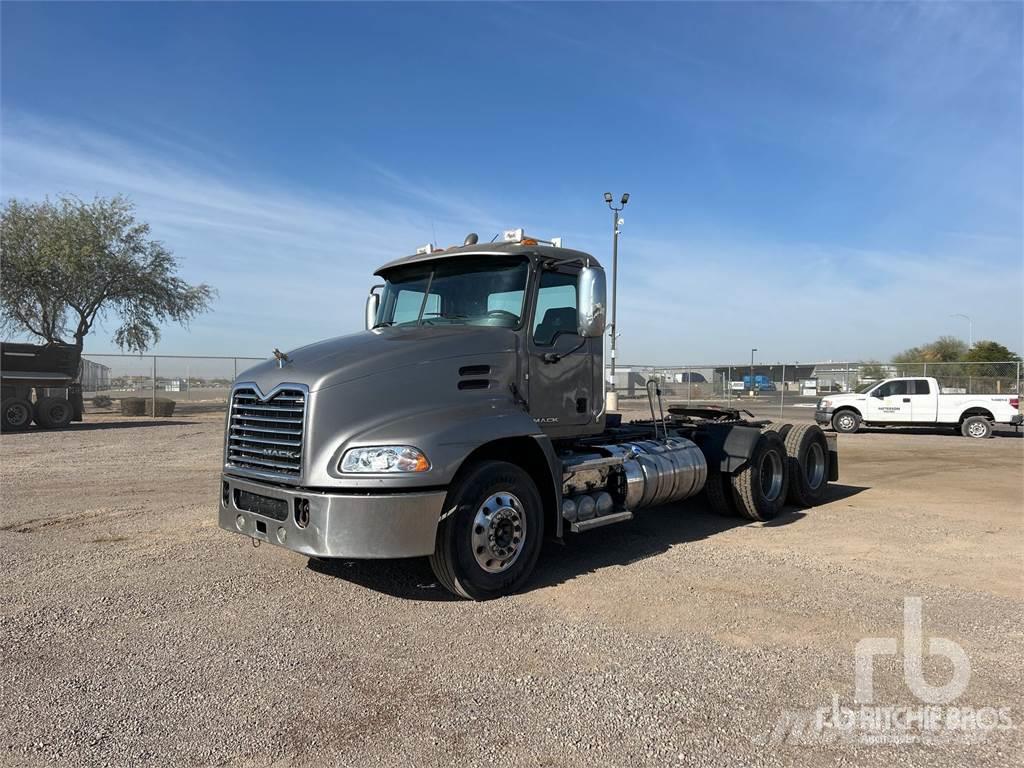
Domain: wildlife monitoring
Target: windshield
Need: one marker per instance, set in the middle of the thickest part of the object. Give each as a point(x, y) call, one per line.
point(463, 291)
point(861, 389)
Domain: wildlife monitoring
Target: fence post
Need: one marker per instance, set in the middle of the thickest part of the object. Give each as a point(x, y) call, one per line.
point(728, 384)
point(233, 378)
point(188, 382)
point(782, 393)
point(925, 371)
point(154, 387)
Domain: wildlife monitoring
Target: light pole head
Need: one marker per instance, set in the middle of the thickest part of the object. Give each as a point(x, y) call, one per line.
point(608, 197)
point(625, 198)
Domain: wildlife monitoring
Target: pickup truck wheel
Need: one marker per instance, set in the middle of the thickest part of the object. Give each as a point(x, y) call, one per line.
point(53, 412)
point(977, 427)
point(491, 531)
point(17, 414)
point(807, 453)
point(760, 487)
point(846, 422)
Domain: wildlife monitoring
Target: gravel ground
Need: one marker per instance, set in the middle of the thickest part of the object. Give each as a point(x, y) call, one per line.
point(135, 631)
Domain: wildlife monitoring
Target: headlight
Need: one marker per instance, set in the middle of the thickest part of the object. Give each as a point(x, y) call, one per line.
point(384, 458)
point(825, 404)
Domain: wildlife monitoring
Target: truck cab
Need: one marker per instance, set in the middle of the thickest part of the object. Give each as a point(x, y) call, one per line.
point(467, 423)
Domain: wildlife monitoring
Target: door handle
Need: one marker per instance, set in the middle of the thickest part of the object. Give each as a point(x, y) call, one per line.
point(906, 399)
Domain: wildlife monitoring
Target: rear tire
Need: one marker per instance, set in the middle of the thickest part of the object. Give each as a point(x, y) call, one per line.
point(808, 457)
point(760, 487)
point(977, 427)
point(490, 536)
point(16, 414)
point(718, 490)
point(846, 422)
point(53, 412)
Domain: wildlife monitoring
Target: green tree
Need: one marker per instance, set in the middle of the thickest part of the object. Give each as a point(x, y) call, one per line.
point(872, 369)
point(68, 264)
point(990, 352)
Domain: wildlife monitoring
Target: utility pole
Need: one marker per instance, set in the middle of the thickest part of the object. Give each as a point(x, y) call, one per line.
point(970, 328)
point(753, 387)
point(612, 402)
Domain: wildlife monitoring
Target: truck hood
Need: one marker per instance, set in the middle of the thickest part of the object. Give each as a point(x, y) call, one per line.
point(346, 358)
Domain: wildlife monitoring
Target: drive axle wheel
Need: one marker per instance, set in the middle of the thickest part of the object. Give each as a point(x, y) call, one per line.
point(807, 453)
point(719, 493)
point(53, 412)
point(490, 532)
point(17, 414)
point(759, 489)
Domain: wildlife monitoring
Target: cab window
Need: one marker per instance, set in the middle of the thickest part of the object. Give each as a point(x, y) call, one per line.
point(921, 387)
point(556, 307)
point(891, 388)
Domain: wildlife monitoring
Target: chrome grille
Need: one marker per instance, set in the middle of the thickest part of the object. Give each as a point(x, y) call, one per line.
point(266, 435)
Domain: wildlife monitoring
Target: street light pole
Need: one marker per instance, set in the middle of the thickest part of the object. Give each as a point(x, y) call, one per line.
point(752, 351)
point(970, 328)
point(612, 403)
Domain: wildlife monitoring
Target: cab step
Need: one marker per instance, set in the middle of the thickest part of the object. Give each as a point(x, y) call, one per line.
point(597, 522)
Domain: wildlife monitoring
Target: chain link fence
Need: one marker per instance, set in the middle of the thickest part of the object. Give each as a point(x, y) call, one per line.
point(198, 382)
point(729, 381)
point(194, 382)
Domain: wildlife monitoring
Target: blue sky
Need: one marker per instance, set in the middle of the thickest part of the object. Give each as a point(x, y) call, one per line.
point(821, 181)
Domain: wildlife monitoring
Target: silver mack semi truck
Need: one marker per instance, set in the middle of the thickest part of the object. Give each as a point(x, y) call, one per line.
point(467, 423)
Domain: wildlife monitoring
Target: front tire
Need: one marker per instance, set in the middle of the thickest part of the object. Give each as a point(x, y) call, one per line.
point(977, 427)
point(491, 531)
point(846, 422)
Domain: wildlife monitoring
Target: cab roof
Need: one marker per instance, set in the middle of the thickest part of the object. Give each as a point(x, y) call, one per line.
point(539, 251)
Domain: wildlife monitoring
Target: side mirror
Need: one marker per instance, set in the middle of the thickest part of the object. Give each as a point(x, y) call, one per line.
point(590, 292)
point(372, 305)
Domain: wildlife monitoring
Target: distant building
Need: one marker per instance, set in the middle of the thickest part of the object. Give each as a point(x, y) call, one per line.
point(95, 376)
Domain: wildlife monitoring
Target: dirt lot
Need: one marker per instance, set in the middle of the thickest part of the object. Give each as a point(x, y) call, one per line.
point(135, 631)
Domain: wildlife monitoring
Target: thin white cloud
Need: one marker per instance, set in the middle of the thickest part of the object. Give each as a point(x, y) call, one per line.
point(292, 265)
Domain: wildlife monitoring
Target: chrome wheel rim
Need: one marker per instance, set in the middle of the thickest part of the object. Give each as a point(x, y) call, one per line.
point(977, 429)
point(499, 532)
point(814, 470)
point(846, 422)
point(770, 470)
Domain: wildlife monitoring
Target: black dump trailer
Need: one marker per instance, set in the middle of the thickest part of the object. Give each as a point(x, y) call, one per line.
point(40, 384)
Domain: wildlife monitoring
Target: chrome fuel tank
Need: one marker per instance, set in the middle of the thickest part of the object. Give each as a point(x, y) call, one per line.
point(662, 471)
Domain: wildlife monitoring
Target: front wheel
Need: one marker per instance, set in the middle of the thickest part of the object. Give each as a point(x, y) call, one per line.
point(846, 422)
point(491, 531)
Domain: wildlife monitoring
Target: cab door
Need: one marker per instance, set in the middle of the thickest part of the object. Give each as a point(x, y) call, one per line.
point(890, 402)
point(561, 364)
point(924, 403)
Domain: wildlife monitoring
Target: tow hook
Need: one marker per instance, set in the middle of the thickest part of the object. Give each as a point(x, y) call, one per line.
point(255, 543)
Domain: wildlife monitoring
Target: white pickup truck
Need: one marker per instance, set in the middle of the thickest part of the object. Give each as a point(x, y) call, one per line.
point(916, 401)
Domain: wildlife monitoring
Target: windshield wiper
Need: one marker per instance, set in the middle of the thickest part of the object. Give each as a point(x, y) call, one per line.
point(444, 315)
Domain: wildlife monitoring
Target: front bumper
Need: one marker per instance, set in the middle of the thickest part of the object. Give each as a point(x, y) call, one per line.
point(340, 525)
point(823, 416)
